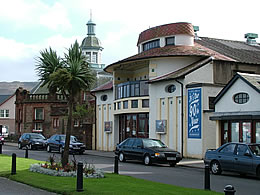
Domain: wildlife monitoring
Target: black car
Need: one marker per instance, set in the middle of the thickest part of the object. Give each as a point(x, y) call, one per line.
point(242, 158)
point(57, 143)
point(32, 141)
point(147, 150)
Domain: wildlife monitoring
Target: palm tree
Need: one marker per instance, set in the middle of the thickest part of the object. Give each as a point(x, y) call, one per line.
point(70, 76)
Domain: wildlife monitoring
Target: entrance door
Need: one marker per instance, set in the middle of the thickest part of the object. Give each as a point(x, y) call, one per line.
point(133, 125)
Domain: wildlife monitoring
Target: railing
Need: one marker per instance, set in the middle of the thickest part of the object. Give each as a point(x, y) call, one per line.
point(131, 89)
point(46, 97)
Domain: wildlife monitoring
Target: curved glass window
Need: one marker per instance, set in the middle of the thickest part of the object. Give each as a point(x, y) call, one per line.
point(241, 98)
point(103, 98)
point(170, 88)
point(151, 44)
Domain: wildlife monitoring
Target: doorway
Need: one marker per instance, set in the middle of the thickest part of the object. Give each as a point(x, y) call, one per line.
point(133, 125)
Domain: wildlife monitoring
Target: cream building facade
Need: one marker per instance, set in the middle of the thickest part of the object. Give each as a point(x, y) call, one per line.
point(166, 91)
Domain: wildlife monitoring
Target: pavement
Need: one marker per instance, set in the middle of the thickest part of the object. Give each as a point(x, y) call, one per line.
point(9, 187)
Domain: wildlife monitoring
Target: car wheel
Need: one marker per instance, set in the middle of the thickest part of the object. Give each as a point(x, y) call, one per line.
point(147, 160)
point(172, 164)
point(81, 152)
point(20, 146)
point(60, 149)
point(121, 157)
point(215, 168)
point(48, 148)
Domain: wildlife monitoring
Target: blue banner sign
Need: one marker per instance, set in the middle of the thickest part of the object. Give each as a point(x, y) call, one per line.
point(194, 113)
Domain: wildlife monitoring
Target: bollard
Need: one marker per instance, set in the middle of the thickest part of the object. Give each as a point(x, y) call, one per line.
point(0, 148)
point(207, 177)
point(26, 152)
point(80, 177)
point(13, 171)
point(229, 190)
point(116, 165)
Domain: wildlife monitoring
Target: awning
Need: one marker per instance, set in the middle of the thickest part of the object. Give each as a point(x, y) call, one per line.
point(235, 116)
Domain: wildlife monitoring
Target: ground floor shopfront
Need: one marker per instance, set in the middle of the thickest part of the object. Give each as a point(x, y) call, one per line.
point(240, 131)
point(133, 125)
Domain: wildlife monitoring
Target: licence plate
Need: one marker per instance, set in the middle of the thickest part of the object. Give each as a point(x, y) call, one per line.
point(171, 158)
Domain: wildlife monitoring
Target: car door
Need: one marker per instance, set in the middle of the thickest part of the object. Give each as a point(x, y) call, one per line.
point(26, 139)
point(226, 157)
point(127, 148)
point(137, 149)
point(243, 159)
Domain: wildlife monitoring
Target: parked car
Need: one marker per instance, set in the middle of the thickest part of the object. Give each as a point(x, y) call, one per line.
point(57, 143)
point(147, 150)
point(2, 139)
point(32, 141)
point(238, 157)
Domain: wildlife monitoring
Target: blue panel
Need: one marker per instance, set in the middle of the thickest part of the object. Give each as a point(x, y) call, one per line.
point(194, 113)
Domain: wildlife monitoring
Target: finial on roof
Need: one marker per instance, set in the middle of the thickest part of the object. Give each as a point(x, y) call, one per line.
point(90, 14)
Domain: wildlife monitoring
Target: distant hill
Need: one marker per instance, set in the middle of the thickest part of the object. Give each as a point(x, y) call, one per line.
point(8, 88)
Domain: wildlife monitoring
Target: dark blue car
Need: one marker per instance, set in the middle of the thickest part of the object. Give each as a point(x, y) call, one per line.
point(57, 143)
point(237, 157)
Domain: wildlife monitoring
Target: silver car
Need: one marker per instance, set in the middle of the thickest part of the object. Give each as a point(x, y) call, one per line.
point(238, 157)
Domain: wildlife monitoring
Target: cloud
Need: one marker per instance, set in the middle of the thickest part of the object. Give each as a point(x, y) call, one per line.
point(31, 13)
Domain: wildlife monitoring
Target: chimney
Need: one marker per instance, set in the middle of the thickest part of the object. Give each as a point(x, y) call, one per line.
point(250, 38)
point(196, 29)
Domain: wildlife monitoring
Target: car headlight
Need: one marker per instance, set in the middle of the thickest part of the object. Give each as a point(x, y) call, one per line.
point(159, 154)
point(70, 146)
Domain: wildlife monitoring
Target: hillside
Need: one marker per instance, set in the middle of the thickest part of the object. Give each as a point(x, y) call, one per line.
point(8, 88)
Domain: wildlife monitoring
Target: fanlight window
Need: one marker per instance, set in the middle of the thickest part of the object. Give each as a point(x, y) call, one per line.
point(241, 98)
point(104, 98)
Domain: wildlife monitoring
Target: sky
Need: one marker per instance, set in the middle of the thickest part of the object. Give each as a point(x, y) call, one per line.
point(29, 26)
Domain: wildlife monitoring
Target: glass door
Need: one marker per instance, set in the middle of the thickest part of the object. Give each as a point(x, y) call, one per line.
point(246, 132)
point(235, 131)
point(257, 132)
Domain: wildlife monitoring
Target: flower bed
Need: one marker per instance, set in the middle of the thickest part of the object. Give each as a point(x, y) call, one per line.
point(69, 170)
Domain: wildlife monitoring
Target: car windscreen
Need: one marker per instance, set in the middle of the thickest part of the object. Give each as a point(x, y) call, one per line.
point(255, 149)
point(37, 136)
point(148, 143)
point(72, 138)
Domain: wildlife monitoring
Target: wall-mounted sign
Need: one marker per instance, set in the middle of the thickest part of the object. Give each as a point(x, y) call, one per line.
point(194, 113)
point(161, 126)
point(108, 126)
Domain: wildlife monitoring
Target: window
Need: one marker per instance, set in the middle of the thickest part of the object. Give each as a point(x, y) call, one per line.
point(151, 45)
point(118, 105)
point(241, 98)
point(103, 98)
point(114, 106)
point(134, 103)
point(76, 123)
point(228, 149)
point(37, 127)
point(94, 57)
point(4, 113)
point(125, 104)
point(56, 122)
point(145, 103)
point(88, 55)
point(242, 149)
point(170, 41)
point(211, 103)
point(170, 88)
point(38, 114)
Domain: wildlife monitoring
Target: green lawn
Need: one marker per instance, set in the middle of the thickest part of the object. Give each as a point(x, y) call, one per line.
point(111, 184)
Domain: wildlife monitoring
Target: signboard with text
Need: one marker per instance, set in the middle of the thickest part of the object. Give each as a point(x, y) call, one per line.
point(194, 113)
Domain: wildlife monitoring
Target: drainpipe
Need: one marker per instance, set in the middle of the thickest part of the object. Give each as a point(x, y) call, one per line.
point(95, 120)
point(182, 116)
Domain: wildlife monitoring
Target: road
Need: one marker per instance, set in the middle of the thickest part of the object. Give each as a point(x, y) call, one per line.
point(179, 175)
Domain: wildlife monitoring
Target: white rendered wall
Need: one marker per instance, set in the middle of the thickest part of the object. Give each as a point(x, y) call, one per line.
point(166, 65)
point(226, 103)
point(9, 105)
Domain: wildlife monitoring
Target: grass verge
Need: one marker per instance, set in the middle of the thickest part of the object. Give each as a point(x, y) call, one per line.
point(111, 184)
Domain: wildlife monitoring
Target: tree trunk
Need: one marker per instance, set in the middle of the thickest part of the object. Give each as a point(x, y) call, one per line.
point(65, 158)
